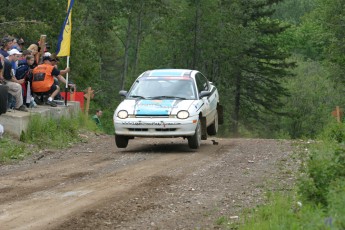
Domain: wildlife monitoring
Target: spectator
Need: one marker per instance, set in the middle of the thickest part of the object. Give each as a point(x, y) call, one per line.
point(3, 90)
point(24, 66)
point(15, 45)
point(34, 51)
point(14, 85)
point(54, 61)
point(25, 53)
point(44, 52)
point(6, 43)
point(24, 72)
point(43, 80)
point(21, 43)
point(2, 59)
point(16, 55)
point(97, 117)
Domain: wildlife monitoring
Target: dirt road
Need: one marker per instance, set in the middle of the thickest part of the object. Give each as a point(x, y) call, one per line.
point(153, 184)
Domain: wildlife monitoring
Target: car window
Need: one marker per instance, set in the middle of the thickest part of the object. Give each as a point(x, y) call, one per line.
point(202, 82)
point(153, 87)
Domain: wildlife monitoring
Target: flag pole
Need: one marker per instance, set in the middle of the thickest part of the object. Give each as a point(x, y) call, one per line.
point(66, 88)
point(64, 41)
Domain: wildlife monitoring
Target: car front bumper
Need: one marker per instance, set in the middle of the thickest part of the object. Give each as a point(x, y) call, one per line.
point(155, 127)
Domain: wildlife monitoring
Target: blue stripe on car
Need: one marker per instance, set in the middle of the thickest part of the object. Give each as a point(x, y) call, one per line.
point(154, 107)
point(166, 73)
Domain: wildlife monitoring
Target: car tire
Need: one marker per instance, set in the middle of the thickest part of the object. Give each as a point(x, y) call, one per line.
point(213, 128)
point(3, 98)
point(195, 140)
point(121, 141)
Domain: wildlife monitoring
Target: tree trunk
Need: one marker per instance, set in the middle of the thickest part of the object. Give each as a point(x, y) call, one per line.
point(236, 113)
point(138, 39)
point(196, 30)
point(125, 63)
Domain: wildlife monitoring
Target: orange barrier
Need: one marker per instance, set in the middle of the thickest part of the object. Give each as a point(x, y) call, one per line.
point(76, 96)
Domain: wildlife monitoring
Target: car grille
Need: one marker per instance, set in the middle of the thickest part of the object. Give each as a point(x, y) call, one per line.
point(140, 130)
point(165, 130)
point(145, 130)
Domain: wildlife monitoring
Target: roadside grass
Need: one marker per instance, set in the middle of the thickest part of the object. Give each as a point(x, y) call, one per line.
point(13, 150)
point(280, 212)
point(318, 199)
point(46, 133)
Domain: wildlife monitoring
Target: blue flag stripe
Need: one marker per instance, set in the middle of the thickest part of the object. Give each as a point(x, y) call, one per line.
point(63, 26)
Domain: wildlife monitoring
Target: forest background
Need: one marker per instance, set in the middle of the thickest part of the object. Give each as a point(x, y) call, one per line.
point(278, 64)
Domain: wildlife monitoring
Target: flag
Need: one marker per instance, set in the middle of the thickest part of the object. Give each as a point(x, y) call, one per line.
point(64, 42)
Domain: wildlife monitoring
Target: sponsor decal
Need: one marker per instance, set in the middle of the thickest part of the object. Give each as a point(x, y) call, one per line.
point(154, 107)
point(150, 123)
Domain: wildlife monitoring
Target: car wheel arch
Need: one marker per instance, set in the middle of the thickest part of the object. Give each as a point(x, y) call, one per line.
point(203, 123)
point(220, 114)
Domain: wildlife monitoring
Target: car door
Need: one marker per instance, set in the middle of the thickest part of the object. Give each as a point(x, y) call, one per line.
point(204, 85)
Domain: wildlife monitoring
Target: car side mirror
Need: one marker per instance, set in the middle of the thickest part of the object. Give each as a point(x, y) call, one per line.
point(204, 94)
point(123, 93)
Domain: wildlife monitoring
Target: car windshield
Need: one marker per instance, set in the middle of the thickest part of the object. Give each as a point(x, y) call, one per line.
point(163, 88)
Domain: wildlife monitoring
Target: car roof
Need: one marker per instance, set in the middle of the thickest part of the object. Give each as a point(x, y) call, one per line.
point(168, 73)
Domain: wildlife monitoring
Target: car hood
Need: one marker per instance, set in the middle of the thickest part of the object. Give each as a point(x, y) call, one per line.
point(156, 107)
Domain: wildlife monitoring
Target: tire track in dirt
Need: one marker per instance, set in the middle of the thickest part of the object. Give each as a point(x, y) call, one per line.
point(41, 196)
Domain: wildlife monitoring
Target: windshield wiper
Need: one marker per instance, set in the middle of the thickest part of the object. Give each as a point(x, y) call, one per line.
point(137, 96)
point(168, 97)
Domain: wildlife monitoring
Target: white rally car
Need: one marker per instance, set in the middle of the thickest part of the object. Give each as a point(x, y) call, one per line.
point(168, 103)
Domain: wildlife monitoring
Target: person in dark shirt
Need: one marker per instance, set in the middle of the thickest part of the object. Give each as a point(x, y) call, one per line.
point(97, 117)
point(14, 85)
point(6, 44)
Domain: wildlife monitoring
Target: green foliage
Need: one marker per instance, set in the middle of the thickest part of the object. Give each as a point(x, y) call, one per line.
point(293, 10)
point(239, 45)
point(49, 132)
point(276, 214)
point(318, 202)
point(313, 96)
point(319, 174)
point(325, 165)
point(336, 201)
point(334, 132)
point(280, 212)
point(10, 150)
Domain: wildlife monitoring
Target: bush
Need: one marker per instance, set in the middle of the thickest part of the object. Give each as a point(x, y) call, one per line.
point(321, 188)
point(326, 164)
point(336, 201)
point(334, 132)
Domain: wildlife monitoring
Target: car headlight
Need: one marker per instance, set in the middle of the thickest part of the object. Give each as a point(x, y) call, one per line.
point(183, 114)
point(123, 114)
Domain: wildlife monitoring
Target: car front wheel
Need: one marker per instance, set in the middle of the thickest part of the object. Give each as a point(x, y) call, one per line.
point(121, 141)
point(195, 140)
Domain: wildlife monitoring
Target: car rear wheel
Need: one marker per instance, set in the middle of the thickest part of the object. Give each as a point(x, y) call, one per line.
point(213, 128)
point(195, 140)
point(121, 141)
